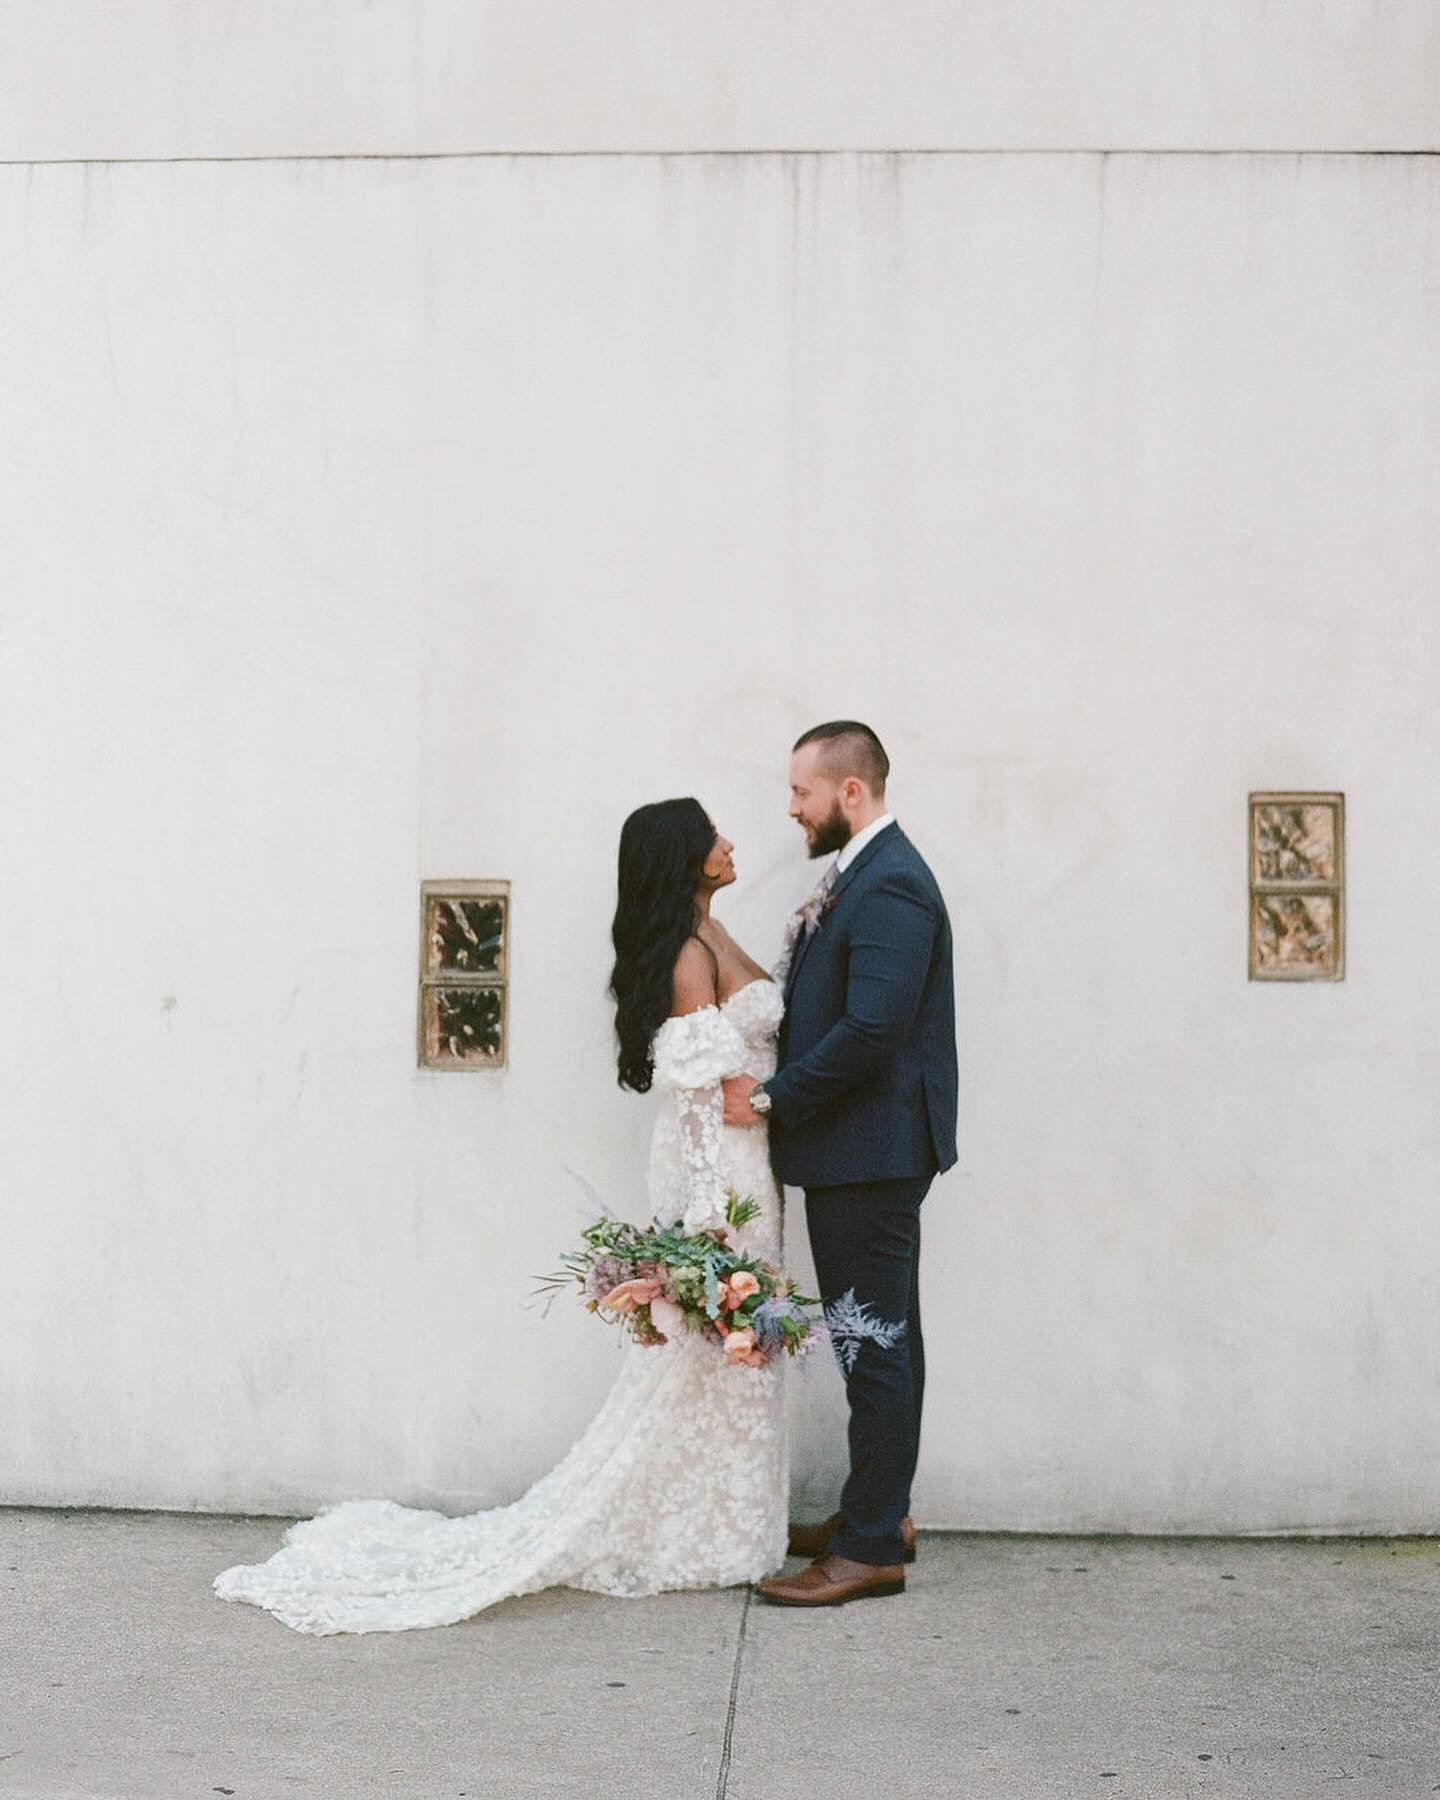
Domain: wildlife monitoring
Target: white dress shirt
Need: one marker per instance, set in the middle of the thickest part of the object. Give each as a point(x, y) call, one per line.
point(860, 840)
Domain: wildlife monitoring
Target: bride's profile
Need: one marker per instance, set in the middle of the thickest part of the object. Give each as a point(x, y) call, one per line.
point(636, 1506)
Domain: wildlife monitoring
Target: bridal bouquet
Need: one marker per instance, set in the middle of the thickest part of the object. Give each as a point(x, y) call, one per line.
point(660, 1281)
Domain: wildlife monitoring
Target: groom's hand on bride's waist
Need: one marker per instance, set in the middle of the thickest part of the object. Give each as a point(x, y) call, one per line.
point(738, 1110)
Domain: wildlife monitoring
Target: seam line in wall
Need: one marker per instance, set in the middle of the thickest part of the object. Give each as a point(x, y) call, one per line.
point(46, 162)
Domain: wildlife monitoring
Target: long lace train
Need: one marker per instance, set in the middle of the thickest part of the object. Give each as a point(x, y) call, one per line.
point(679, 1481)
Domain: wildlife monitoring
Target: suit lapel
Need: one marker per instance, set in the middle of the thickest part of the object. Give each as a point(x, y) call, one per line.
point(802, 944)
point(866, 856)
point(842, 882)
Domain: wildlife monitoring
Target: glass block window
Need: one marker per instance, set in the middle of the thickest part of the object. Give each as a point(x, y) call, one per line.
point(464, 974)
point(1297, 891)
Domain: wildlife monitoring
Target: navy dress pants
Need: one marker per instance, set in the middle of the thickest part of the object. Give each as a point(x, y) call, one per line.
point(865, 1239)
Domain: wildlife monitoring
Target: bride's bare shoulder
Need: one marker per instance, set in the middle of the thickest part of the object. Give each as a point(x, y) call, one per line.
point(695, 982)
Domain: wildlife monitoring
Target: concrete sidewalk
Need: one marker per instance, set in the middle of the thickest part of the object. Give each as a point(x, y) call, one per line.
point(1013, 1667)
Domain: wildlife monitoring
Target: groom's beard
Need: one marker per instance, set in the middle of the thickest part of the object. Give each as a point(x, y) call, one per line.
point(831, 834)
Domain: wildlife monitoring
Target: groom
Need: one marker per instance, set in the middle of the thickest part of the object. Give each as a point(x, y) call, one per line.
point(862, 1116)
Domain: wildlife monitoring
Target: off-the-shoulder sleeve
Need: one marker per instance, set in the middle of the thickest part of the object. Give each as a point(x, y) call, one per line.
point(698, 1048)
point(693, 1055)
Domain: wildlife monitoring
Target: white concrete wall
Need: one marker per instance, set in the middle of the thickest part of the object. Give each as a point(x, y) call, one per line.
point(87, 78)
point(369, 521)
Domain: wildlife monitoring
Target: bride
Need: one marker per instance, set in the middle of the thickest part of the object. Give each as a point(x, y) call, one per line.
point(641, 1503)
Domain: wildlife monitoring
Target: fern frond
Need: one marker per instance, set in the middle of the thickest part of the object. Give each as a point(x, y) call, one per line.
point(852, 1322)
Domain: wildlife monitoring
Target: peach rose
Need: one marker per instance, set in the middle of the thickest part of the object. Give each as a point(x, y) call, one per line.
point(666, 1316)
point(629, 1295)
point(743, 1284)
point(739, 1345)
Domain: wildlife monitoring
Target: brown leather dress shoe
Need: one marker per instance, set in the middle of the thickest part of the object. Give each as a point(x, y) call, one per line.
point(832, 1581)
point(814, 1540)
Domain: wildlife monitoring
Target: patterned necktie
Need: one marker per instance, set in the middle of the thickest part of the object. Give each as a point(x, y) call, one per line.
point(814, 907)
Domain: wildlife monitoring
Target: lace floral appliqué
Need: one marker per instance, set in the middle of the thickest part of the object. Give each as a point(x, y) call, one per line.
point(693, 1055)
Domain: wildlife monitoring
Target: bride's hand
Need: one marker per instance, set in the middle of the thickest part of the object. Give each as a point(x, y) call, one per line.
point(738, 1110)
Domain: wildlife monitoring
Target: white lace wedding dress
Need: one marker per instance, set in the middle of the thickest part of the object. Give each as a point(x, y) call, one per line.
point(681, 1479)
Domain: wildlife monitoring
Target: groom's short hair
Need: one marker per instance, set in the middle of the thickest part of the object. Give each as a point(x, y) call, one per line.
point(850, 748)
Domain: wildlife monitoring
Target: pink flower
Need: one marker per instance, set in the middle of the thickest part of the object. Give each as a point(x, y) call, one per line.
point(739, 1345)
point(666, 1316)
point(629, 1295)
point(743, 1284)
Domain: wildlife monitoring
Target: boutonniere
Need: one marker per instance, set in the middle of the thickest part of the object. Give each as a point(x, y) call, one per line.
point(805, 921)
point(813, 911)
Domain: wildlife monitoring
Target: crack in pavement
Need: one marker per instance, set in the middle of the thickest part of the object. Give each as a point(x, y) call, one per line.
point(723, 1780)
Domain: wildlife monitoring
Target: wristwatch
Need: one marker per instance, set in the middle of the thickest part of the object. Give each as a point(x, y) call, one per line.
point(760, 1102)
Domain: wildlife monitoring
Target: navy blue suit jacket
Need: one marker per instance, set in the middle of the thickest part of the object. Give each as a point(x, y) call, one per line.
point(866, 1088)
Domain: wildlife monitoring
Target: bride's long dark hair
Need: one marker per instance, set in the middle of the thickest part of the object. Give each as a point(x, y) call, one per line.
point(662, 850)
